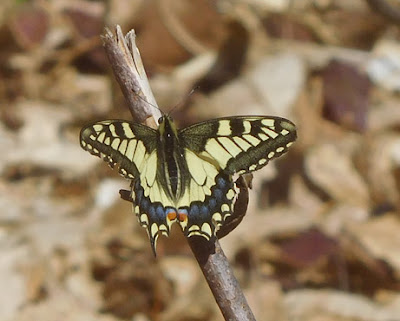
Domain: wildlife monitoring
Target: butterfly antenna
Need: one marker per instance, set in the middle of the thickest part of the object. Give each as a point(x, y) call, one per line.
point(183, 100)
point(148, 103)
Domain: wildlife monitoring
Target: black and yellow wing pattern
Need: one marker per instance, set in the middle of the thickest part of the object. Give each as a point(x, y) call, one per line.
point(185, 175)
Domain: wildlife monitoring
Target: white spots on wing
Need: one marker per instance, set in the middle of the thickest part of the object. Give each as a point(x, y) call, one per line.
point(217, 217)
point(194, 228)
point(289, 144)
point(262, 161)
point(241, 143)
point(184, 200)
point(225, 208)
point(206, 228)
point(263, 137)
point(217, 152)
point(246, 126)
point(153, 229)
point(268, 122)
point(139, 156)
point(113, 132)
point(269, 132)
point(154, 193)
point(271, 154)
point(163, 199)
point(151, 168)
point(183, 224)
point(127, 130)
point(107, 141)
point(144, 220)
point(280, 149)
point(137, 210)
point(195, 166)
point(197, 192)
point(92, 137)
point(101, 137)
point(206, 190)
point(122, 146)
point(98, 127)
point(123, 172)
point(115, 143)
point(146, 191)
point(224, 128)
point(230, 146)
point(253, 167)
point(130, 150)
point(194, 190)
point(252, 140)
point(284, 132)
point(230, 195)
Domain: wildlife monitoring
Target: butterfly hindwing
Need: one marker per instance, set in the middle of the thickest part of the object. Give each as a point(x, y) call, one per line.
point(208, 197)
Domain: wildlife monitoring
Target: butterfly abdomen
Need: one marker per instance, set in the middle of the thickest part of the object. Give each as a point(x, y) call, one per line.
point(170, 159)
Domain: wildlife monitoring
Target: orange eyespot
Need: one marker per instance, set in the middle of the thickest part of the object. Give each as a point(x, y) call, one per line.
point(171, 214)
point(182, 216)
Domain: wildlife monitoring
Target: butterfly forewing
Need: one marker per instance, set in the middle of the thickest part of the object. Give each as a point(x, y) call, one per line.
point(239, 144)
point(120, 142)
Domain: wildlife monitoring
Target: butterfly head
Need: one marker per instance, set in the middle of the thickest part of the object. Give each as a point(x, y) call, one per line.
point(167, 126)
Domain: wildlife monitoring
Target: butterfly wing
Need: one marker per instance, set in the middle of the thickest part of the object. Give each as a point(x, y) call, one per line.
point(120, 142)
point(217, 149)
point(240, 144)
point(133, 147)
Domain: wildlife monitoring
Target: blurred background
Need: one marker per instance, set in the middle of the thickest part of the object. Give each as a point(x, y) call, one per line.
point(321, 238)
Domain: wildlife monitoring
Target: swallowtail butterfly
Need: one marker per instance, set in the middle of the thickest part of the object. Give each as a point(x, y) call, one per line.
point(185, 175)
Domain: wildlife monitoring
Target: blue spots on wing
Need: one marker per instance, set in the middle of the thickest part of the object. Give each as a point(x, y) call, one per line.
point(151, 212)
point(194, 210)
point(212, 204)
point(199, 212)
point(156, 213)
point(160, 212)
point(144, 205)
point(202, 212)
point(222, 182)
point(138, 189)
point(218, 195)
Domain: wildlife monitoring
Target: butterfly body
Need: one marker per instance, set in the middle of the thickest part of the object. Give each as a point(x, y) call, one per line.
point(185, 175)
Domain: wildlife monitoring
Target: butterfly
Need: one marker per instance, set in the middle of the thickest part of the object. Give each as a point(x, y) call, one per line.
point(185, 175)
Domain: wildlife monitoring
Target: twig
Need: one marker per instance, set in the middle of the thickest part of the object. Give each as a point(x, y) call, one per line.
point(216, 268)
point(125, 60)
point(127, 65)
